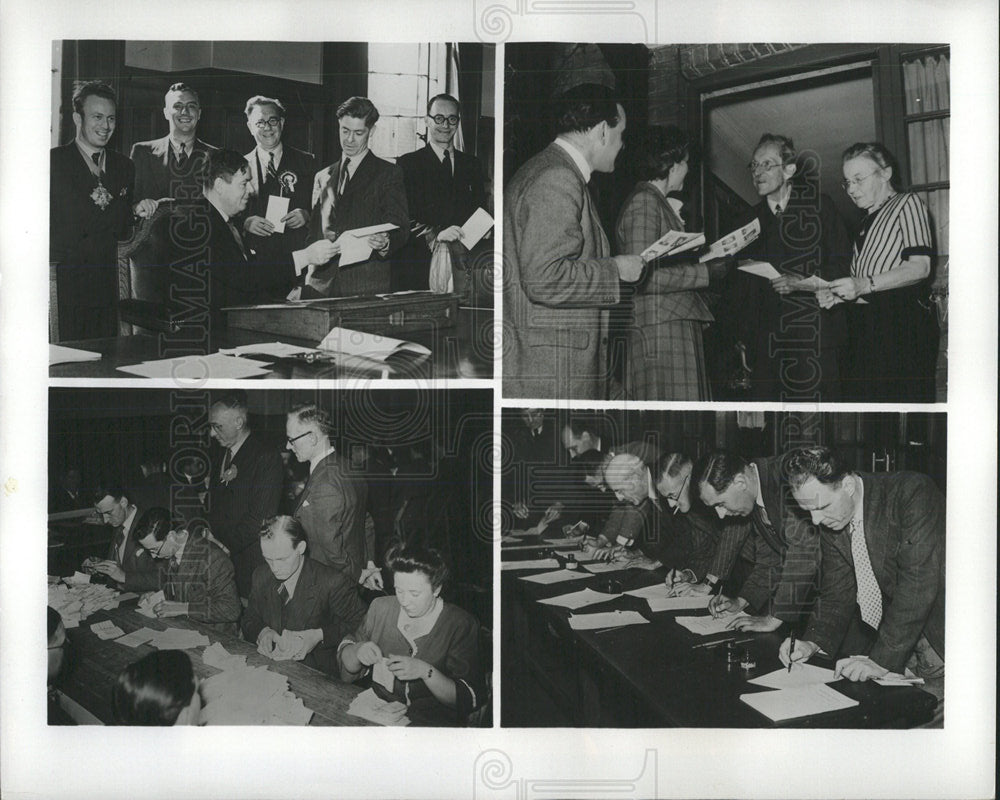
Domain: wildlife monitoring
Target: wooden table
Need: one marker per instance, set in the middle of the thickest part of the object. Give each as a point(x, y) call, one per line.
point(653, 675)
point(94, 666)
point(462, 351)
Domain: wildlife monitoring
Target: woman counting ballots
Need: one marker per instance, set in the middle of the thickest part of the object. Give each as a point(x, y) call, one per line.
point(893, 334)
point(430, 647)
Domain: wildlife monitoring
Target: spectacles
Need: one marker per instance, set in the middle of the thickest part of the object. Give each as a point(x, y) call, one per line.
point(294, 439)
point(856, 181)
point(273, 122)
point(765, 166)
point(441, 119)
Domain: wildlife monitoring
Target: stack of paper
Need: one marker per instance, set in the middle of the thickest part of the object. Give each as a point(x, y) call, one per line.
point(251, 696)
point(70, 355)
point(733, 242)
point(286, 646)
point(672, 243)
point(585, 597)
point(194, 371)
point(106, 629)
point(368, 345)
point(76, 603)
point(708, 625)
point(802, 701)
point(369, 706)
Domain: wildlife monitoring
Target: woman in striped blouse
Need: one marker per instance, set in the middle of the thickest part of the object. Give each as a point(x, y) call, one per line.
point(893, 333)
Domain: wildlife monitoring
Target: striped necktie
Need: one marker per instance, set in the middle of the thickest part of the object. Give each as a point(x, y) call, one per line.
point(272, 172)
point(869, 594)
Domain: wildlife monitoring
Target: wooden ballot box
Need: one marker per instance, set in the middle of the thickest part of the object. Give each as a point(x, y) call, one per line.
point(388, 315)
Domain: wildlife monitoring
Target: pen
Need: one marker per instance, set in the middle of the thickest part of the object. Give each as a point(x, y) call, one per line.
point(716, 643)
point(717, 591)
point(791, 649)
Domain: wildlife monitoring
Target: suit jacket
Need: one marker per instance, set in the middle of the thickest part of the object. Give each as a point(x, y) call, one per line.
point(697, 536)
point(324, 598)
point(158, 175)
point(205, 579)
point(374, 195)
point(331, 508)
point(83, 237)
point(904, 524)
point(559, 281)
point(142, 573)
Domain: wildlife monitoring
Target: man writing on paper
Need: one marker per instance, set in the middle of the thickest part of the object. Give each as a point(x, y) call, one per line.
point(560, 278)
point(881, 596)
point(444, 187)
point(359, 191)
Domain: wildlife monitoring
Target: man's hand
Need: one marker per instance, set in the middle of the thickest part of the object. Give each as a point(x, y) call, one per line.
point(551, 514)
point(451, 234)
point(786, 284)
point(520, 510)
point(763, 624)
point(111, 569)
point(849, 288)
point(321, 251)
point(690, 589)
point(170, 608)
point(145, 208)
point(368, 653)
point(310, 639)
point(803, 651)
point(267, 639)
point(720, 604)
point(379, 242)
point(826, 298)
point(406, 668)
point(371, 577)
point(258, 226)
point(858, 668)
point(629, 268)
point(298, 218)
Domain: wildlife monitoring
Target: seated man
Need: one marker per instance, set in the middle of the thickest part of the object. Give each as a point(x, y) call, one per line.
point(125, 555)
point(299, 609)
point(882, 580)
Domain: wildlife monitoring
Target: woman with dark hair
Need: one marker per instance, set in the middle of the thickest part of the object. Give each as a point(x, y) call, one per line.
point(158, 689)
point(420, 650)
point(666, 359)
point(893, 335)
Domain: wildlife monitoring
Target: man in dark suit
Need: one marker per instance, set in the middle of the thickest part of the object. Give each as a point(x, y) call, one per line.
point(358, 191)
point(125, 557)
point(298, 609)
point(276, 170)
point(444, 187)
point(244, 487)
point(331, 508)
point(560, 278)
point(168, 168)
point(90, 210)
point(881, 598)
point(782, 545)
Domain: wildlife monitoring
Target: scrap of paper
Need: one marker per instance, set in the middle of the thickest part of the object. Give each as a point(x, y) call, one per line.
point(574, 600)
point(179, 639)
point(77, 602)
point(760, 268)
point(371, 707)
point(733, 242)
point(251, 696)
point(138, 637)
point(382, 675)
point(215, 655)
point(149, 602)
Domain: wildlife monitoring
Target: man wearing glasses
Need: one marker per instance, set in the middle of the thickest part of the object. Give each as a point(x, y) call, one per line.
point(167, 168)
point(277, 170)
point(444, 186)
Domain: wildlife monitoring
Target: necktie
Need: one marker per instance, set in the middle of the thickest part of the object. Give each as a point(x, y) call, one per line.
point(227, 462)
point(272, 172)
point(183, 155)
point(239, 241)
point(869, 595)
point(446, 163)
point(96, 158)
point(777, 210)
point(119, 540)
point(345, 177)
point(283, 594)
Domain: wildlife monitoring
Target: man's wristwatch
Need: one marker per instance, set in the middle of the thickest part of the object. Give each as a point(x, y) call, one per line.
point(430, 672)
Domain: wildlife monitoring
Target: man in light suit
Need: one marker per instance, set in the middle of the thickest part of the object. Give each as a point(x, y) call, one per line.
point(444, 187)
point(559, 276)
point(280, 170)
point(358, 191)
point(168, 168)
point(881, 598)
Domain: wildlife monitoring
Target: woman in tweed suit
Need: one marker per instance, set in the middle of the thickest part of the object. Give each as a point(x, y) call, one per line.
point(666, 360)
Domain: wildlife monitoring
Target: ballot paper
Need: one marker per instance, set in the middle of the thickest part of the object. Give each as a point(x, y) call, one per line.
point(179, 639)
point(476, 227)
point(371, 707)
point(597, 567)
point(382, 675)
point(708, 625)
point(538, 563)
point(732, 242)
point(574, 600)
point(799, 675)
point(354, 246)
point(559, 576)
point(106, 629)
point(78, 578)
point(759, 268)
point(193, 371)
point(58, 354)
point(136, 638)
point(606, 619)
point(369, 345)
point(149, 602)
point(802, 701)
point(251, 696)
point(277, 207)
point(215, 655)
point(672, 243)
point(286, 646)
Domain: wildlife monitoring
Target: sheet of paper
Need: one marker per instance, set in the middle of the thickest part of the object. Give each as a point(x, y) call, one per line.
point(353, 250)
point(598, 567)
point(215, 655)
point(562, 541)
point(371, 707)
point(538, 563)
point(733, 242)
point(136, 638)
point(369, 345)
point(476, 227)
point(146, 606)
point(276, 349)
point(606, 619)
point(70, 355)
point(277, 207)
point(559, 576)
point(106, 629)
point(677, 603)
point(78, 578)
point(708, 625)
point(382, 675)
point(800, 675)
point(179, 639)
point(190, 371)
point(802, 701)
point(761, 269)
point(383, 227)
point(574, 600)
point(671, 243)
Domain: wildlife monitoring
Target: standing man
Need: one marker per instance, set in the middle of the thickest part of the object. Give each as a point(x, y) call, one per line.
point(444, 187)
point(276, 170)
point(560, 278)
point(794, 347)
point(358, 191)
point(90, 211)
point(244, 486)
point(882, 589)
point(168, 168)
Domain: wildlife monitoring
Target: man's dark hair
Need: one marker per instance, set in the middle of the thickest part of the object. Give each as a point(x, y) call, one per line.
point(85, 89)
point(359, 108)
point(582, 107)
point(237, 398)
point(290, 526)
point(449, 98)
point(156, 522)
point(154, 690)
point(590, 464)
point(594, 424)
point(718, 469)
point(670, 464)
point(107, 488)
point(222, 164)
point(821, 463)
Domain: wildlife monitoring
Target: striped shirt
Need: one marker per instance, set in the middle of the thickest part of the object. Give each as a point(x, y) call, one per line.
point(893, 233)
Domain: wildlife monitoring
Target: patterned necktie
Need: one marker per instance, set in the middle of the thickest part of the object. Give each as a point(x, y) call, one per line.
point(345, 177)
point(272, 172)
point(869, 595)
point(182, 157)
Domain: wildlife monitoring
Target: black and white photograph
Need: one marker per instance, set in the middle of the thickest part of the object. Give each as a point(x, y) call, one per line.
point(291, 209)
point(723, 569)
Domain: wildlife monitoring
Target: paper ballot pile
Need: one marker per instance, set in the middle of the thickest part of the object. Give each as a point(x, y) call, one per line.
point(76, 603)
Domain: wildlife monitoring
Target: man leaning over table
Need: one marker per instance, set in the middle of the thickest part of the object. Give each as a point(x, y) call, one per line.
point(881, 595)
point(127, 561)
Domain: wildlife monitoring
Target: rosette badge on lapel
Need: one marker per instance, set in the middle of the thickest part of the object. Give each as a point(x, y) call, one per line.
point(101, 196)
point(288, 181)
point(229, 474)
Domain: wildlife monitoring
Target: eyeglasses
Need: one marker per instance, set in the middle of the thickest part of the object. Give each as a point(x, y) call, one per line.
point(441, 119)
point(273, 122)
point(856, 181)
point(294, 439)
point(676, 496)
point(765, 166)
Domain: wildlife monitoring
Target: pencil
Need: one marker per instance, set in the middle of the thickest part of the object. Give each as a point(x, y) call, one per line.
point(791, 649)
